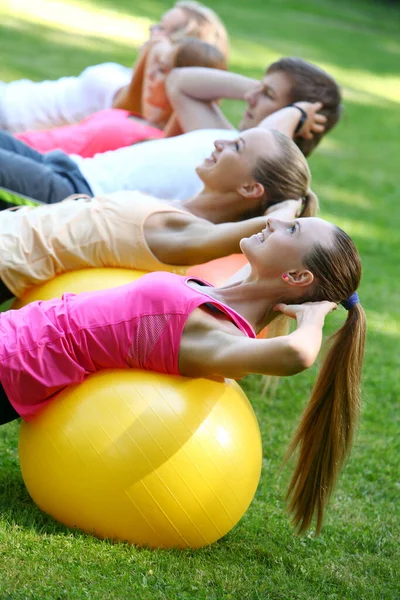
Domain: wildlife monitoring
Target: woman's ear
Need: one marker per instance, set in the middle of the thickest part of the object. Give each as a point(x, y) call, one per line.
point(251, 190)
point(301, 278)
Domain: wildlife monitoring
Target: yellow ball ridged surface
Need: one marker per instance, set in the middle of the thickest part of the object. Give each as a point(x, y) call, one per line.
point(153, 459)
point(82, 280)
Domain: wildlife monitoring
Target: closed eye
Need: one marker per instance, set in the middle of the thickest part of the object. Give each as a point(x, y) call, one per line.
point(268, 92)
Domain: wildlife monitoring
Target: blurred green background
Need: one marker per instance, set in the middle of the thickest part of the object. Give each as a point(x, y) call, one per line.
point(356, 175)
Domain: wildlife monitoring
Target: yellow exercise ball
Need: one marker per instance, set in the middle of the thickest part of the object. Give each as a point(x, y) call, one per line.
point(82, 280)
point(156, 460)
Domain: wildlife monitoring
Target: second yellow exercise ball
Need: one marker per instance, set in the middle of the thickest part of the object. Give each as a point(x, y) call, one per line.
point(81, 280)
point(156, 460)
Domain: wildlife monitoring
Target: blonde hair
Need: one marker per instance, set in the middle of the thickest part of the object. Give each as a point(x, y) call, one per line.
point(285, 175)
point(204, 24)
point(326, 430)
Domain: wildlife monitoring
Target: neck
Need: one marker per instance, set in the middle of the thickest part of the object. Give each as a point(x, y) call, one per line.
point(214, 206)
point(252, 298)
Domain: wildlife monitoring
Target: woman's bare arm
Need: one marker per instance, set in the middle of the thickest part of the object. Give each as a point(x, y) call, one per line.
point(183, 239)
point(130, 96)
point(193, 92)
point(287, 119)
point(188, 240)
point(213, 352)
point(173, 128)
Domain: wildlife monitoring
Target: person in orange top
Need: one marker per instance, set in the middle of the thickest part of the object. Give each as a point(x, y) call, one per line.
point(150, 113)
point(242, 179)
point(26, 105)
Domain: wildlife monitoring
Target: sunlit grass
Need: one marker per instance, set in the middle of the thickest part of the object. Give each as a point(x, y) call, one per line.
point(379, 322)
point(79, 17)
point(356, 176)
point(381, 86)
point(358, 96)
point(334, 194)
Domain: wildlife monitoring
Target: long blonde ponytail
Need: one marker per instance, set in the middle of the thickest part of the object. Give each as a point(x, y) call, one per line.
point(325, 434)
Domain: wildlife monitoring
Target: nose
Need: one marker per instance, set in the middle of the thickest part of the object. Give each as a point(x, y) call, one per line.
point(219, 145)
point(273, 224)
point(252, 96)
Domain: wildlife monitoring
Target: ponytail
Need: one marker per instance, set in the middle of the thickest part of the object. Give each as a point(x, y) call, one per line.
point(325, 434)
point(284, 174)
point(310, 204)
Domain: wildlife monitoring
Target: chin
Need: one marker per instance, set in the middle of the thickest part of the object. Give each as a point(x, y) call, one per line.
point(250, 246)
point(246, 246)
point(200, 169)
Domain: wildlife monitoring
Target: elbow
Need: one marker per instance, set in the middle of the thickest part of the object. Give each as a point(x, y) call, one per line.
point(301, 358)
point(172, 82)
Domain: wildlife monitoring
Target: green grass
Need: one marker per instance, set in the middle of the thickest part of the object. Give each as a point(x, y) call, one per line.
point(356, 176)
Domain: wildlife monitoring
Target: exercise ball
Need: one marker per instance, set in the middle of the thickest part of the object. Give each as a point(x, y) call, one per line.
point(156, 460)
point(82, 280)
point(218, 271)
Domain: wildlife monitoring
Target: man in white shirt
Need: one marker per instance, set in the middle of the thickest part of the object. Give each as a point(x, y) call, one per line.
point(194, 92)
point(166, 168)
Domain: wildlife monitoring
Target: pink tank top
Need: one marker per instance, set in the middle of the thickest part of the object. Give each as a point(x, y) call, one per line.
point(49, 345)
point(105, 130)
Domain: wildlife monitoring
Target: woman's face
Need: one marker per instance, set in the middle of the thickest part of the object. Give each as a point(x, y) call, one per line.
point(269, 95)
point(155, 103)
point(171, 21)
point(283, 245)
point(232, 163)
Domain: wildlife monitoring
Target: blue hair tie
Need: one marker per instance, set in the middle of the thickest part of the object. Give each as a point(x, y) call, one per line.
point(351, 301)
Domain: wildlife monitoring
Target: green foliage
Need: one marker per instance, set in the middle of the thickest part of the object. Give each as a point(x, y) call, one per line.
point(356, 176)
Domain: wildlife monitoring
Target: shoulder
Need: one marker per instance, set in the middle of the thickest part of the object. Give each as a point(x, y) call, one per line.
point(207, 319)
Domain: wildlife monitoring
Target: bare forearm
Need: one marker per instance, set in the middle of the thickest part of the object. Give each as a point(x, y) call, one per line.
point(243, 356)
point(209, 84)
point(130, 96)
point(201, 241)
point(306, 341)
point(284, 120)
point(226, 237)
point(220, 354)
point(281, 356)
point(221, 240)
point(193, 92)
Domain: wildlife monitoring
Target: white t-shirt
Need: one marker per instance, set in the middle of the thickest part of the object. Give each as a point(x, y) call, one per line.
point(26, 104)
point(163, 168)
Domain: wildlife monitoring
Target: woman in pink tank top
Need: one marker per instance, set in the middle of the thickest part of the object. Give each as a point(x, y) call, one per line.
point(105, 130)
point(115, 128)
point(178, 325)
